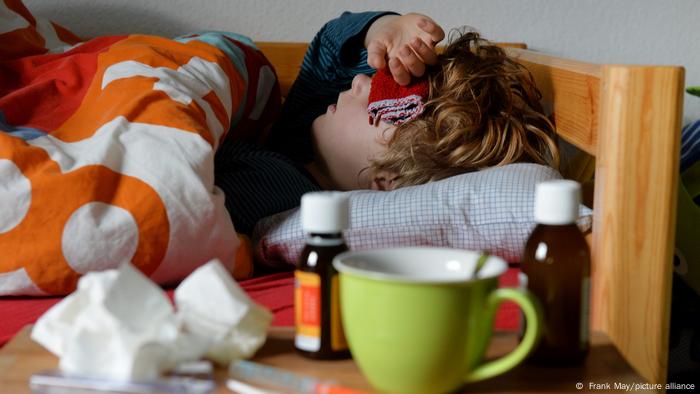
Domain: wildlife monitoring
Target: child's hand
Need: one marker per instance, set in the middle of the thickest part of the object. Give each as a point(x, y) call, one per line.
point(407, 41)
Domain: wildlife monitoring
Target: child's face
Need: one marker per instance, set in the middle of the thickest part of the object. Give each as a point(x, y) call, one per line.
point(345, 141)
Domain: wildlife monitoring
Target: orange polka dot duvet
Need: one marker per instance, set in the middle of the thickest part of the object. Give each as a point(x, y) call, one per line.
point(107, 150)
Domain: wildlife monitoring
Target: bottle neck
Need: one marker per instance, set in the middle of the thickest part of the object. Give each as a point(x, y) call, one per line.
point(556, 225)
point(319, 239)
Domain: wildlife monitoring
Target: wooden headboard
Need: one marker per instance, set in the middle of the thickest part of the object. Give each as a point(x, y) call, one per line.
point(629, 118)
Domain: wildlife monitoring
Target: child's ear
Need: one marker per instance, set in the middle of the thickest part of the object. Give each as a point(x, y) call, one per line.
point(384, 180)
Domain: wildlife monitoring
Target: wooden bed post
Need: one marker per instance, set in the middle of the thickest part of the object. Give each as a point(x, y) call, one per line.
point(635, 211)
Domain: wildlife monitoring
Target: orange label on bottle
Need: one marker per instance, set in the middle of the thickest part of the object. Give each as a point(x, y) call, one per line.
point(307, 304)
point(338, 341)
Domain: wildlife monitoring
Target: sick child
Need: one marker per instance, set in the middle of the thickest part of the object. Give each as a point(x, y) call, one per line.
point(423, 117)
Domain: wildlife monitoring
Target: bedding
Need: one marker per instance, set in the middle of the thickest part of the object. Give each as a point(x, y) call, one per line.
point(107, 147)
point(488, 210)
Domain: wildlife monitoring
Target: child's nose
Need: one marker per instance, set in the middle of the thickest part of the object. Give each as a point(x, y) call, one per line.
point(360, 85)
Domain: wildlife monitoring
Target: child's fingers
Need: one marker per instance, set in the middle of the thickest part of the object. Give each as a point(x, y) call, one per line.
point(413, 64)
point(433, 29)
point(424, 51)
point(376, 55)
point(401, 76)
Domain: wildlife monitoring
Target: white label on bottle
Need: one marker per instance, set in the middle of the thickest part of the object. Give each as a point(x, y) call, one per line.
point(585, 309)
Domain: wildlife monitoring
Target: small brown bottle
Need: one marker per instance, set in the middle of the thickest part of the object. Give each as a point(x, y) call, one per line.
point(319, 330)
point(557, 265)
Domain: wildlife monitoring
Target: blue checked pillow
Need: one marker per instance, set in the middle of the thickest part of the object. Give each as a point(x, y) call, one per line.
point(488, 210)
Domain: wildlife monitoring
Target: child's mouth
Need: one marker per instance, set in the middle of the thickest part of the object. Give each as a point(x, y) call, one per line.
point(331, 108)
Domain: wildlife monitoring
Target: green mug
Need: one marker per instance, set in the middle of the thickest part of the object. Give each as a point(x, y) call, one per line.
point(417, 321)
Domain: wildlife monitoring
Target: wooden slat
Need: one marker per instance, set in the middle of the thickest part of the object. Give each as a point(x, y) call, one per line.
point(286, 57)
point(634, 219)
point(520, 45)
point(571, 88)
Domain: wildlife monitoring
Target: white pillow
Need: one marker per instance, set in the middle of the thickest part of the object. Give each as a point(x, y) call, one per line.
point(488, 210)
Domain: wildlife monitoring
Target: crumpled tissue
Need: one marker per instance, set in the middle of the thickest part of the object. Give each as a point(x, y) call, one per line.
point(118, 324)
point(214, 306)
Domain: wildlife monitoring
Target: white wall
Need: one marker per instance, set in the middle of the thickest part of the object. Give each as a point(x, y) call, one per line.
point(621, 31)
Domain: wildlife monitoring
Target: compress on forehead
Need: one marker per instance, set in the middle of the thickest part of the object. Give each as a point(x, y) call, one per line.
point(393, 103)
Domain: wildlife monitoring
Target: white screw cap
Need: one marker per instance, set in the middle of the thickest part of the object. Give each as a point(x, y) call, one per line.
point(324, 212)
point(557, 202)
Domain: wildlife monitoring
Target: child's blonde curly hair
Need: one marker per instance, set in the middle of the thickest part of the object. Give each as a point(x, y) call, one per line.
point(483, 110)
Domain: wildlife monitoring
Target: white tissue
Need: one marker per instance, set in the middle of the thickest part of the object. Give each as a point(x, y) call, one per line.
point(117, 324)
point(212, 305)
point(120, 325)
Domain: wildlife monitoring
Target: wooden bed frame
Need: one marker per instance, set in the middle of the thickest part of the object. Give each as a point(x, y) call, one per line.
point(629, 119)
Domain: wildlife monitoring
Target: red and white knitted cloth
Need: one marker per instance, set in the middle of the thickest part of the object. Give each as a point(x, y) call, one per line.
point(393, 103)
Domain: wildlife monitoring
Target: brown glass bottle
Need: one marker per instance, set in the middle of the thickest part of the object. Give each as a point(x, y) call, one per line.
point(557, 265)
point(556, 262)
point(319, 330)
point(317, 258)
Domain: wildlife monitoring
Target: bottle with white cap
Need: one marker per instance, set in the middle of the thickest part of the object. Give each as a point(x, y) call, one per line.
point(557, 265)
point(319, 330)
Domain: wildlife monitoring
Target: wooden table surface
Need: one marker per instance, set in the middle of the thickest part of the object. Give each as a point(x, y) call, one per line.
point(22, 357)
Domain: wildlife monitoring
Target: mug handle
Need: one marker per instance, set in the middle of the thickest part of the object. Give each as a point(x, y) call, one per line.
point(533, 315)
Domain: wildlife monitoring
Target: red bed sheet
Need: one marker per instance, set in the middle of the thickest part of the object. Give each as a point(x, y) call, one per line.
point(275, 291)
